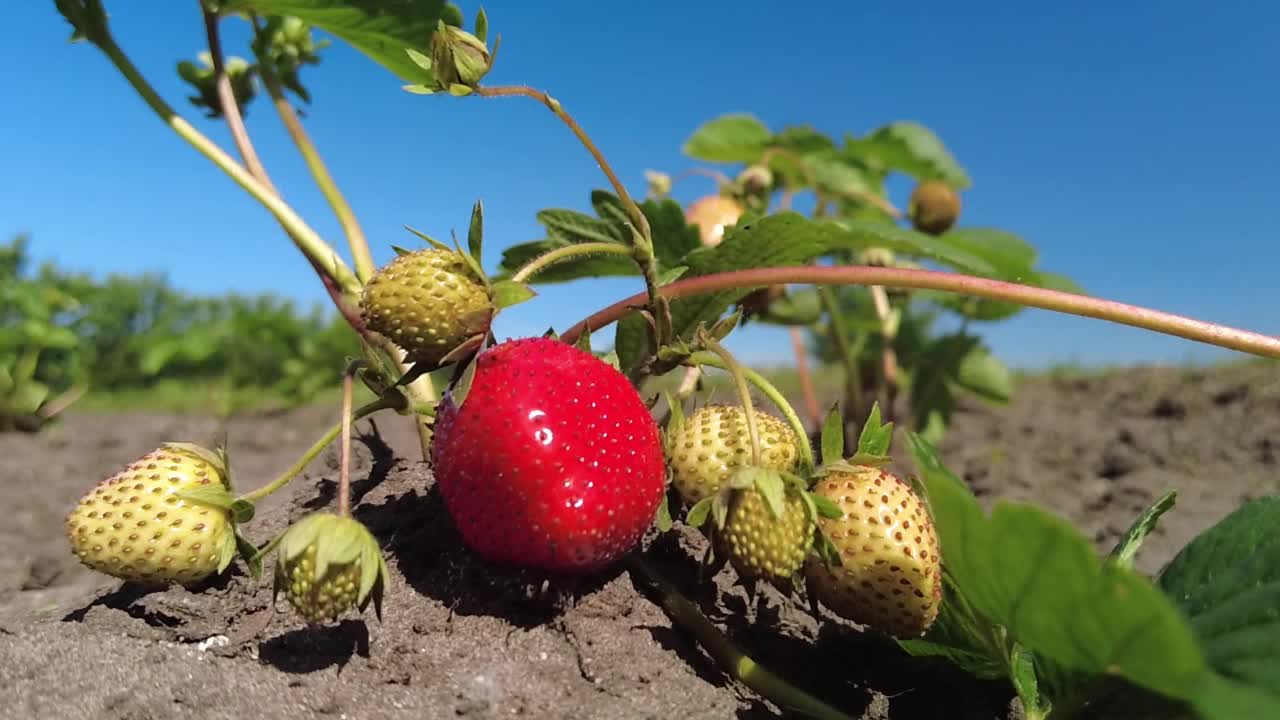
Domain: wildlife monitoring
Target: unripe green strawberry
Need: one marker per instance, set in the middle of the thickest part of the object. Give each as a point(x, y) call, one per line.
point(428, 303)
point(328, 564)
point(934, 207)
point(714, 440)
point(138, 525)
point(890, 573)
point(762, 545)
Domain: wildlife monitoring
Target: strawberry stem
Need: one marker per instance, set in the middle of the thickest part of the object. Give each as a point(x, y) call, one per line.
point(545, 260)
point(344, 457)
point(775, 396)
point(384, 403)
point(321, 255)
point(642, 237)
point(736, 663)
point(1064, 302)
point(319, 171)
point(840, 338)
point(744, 392)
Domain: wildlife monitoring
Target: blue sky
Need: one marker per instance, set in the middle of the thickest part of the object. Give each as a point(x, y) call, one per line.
point(1134, 143)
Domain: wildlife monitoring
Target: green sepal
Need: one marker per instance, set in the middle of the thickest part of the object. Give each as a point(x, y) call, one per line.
point(419, 89)
point(242, 511)
point(250, 554)
point(825, 549)
point(475, 232)
point(825, 507)
point(1127, 548)
point(611, 359)
point(670, 275)
point(770, 485)
point(401, 252)
point(506, 293)
point(697, 515)
point(833, 435)
point(428, 239)
point(420, 60)
point(725, 325)
point(584, 342)
point(876, 437)
point(854, 466)
point(216, 458)
point(481, 26)
point(226, 552)
point(552, 334)
point(662, 518)
point(464, 350)
point(460, 90)
point(675, 419)
point(458, 393)
point(212, 495)
point(472, 263)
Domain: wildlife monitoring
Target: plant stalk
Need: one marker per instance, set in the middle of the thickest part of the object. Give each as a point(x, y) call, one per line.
point(344, 457)
point(227, 99)
point(316, 449)
point(643, 235)
point(775, 396)
point(732, 660)
point(805, 376)
point(308, 241)
point(360, 252)
point(744, 393)
point(1056, 300)
point(545, 260)
point(840, 338)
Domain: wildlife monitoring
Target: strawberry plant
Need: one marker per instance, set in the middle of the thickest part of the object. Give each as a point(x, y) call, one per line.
point(548, 456)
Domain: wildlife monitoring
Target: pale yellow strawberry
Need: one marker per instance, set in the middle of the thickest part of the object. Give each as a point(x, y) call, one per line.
point(714, 441)
point(428, 303)
point(135, 526)
point(890, 576)
point(328, 564)
point(760, 545)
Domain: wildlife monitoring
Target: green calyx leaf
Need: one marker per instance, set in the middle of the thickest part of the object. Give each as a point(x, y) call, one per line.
point(697, 515)
point(429, 240)
point(458, 393)
point(250, 554)
point(242, 511)
point(1125, 550)
point(833, 435)
point(662, 519)
point(475, 233)
point(876, 436)
point(212, 495)
point(675, 419)
point(215, 458)
point(825, 507)
point(506, 293)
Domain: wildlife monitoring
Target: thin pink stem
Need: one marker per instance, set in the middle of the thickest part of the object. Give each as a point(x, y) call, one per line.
point(1064, 302)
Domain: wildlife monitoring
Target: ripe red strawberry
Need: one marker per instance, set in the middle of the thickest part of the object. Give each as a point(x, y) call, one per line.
point(553, 461)
point(890, 576)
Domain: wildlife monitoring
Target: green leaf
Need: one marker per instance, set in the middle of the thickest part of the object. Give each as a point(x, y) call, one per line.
point(734, 138)
point(833, 435)
point(1128, 547)
point(1227, 581)
point(910, 148)
point(509, 292)
point(985, 375)
point(1037, 576)
point(670, 275)
point(249, 554)
point(1012, 257)
point(462, 388)
point(801, 307)
point(784, 239)
point(384, 30)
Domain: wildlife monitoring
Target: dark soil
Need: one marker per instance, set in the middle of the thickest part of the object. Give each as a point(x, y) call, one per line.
point(461, 638)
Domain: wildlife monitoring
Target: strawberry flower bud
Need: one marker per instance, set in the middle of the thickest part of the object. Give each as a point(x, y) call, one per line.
point(458, 57)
